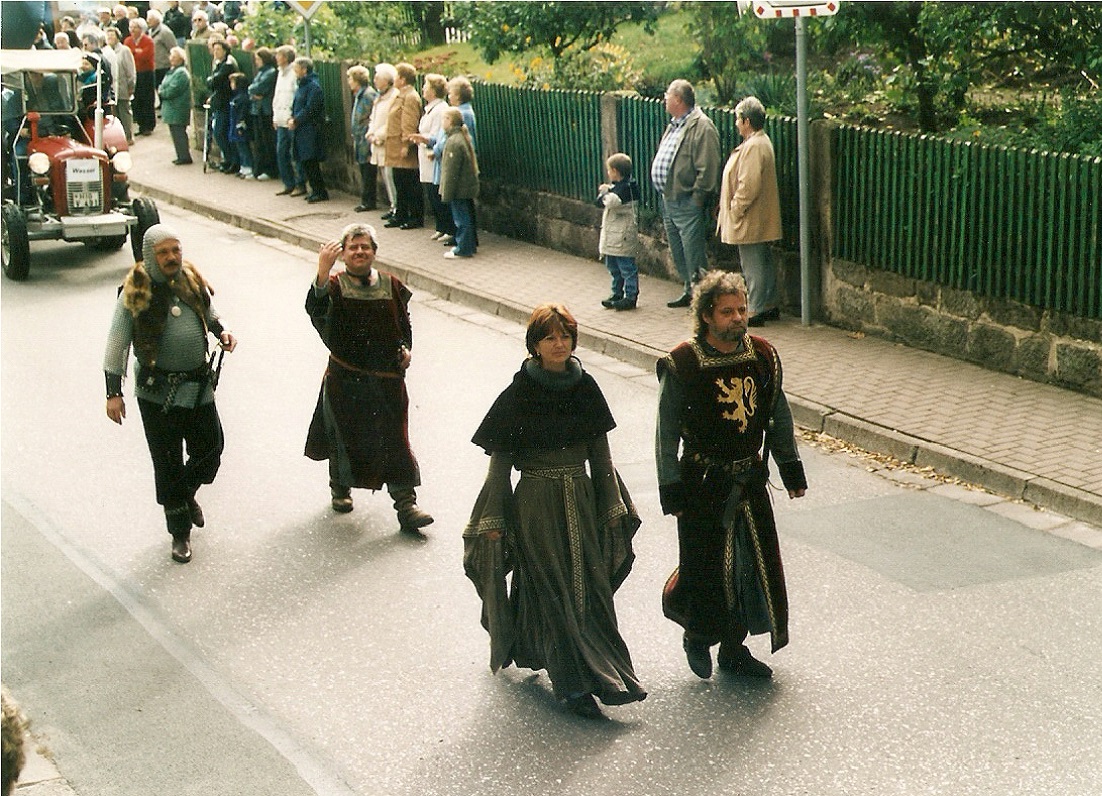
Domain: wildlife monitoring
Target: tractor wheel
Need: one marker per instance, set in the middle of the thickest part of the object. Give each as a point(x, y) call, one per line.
point(16, 248)
point(147, 216)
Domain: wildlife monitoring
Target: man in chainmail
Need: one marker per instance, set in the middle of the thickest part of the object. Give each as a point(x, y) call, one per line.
point(164, 312)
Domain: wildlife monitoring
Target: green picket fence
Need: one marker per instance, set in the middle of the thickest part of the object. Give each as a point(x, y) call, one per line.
point(999, 222)
point(543, 140)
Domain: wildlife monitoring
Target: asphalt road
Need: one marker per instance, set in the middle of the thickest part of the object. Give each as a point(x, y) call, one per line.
point(938, 645)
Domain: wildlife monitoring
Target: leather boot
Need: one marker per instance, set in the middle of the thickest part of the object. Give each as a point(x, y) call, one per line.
point(410, 517)
point(181, 547)
point(341, 498)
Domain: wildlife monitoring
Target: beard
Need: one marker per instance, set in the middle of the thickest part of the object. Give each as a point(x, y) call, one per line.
point(733, 334)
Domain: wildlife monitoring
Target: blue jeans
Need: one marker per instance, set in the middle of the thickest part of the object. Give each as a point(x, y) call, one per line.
point(285, 158)
point(685, 232)
point(463, 215)
point(222, 138)
point(244, 155)
point(761, 277)
point(625, 276)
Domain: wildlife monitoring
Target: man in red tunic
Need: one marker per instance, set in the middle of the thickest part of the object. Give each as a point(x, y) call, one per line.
point(361, 422)
point(720, 400)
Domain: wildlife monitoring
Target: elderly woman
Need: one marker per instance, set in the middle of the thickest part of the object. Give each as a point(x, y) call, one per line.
point(363, 98)
point(175, 94)
point(385, 75)
point(220, 95)
point(566, 534)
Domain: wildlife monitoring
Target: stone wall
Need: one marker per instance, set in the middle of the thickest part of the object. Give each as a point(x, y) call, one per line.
point(999, 334)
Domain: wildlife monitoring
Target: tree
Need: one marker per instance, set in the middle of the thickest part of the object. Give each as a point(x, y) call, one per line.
point(500, 27)
point(943, 49)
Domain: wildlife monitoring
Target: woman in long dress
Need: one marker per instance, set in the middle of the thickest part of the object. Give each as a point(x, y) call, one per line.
point(564, 534)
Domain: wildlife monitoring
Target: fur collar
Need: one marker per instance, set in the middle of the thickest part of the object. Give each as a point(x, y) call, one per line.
point(137, 289)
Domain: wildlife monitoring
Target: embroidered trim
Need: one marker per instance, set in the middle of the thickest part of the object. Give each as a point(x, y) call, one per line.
point(706, 360)
point(760, 560)
point(565, 475)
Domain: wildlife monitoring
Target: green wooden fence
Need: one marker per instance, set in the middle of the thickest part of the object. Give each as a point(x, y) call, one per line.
point(999, 222)
point(543, 140)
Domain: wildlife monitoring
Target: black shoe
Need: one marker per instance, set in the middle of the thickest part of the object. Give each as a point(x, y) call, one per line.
point(196, 512)
point(393, 222)
point(608, 302)
point(684, 301)
point(699, 657)
point(314, 198)
point(285, 192)
point(411, 225)
point(182, 162)
point(298, 190)
point(738, 660)
point(760, 319)
point(181, 549)
point(363, 208)
point(389, 214)
point(584, 706)
point(624, 304)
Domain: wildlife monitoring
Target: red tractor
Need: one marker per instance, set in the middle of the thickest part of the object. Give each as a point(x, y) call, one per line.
point(65, 161)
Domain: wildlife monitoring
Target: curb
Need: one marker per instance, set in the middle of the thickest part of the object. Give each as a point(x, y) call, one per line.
point(1004, 480)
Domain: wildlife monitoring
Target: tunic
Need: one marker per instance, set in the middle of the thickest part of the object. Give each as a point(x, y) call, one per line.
point(566, 536)
point(362, 413)
point(724, 408)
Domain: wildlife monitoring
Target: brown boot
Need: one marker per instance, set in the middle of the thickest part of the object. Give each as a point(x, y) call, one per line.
point(341, 498)
point(410, 518)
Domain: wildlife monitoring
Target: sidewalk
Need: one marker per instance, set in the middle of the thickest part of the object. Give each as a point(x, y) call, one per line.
point(1022, 439)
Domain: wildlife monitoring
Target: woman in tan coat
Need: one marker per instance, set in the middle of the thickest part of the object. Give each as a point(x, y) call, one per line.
point(750, 209)
point(401, 150)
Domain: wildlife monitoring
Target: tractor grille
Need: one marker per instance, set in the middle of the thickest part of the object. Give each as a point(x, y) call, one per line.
point(84, 186)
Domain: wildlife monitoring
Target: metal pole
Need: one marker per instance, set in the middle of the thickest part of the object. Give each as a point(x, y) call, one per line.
point(306, 22)
point(805, 186)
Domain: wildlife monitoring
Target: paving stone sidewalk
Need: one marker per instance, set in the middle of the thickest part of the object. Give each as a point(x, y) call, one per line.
point(1025, 440)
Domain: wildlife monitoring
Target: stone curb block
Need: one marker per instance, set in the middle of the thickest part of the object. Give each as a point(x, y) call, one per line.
point(983, 472)
point(871, 437)
point(808, 414)
point(1064, 499)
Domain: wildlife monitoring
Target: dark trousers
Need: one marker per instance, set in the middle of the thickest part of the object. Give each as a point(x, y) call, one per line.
point(142, 106)
point(411, 209)
point(369, 181)
point(312, 170)
point(441, 213)
point(264, 146)
point(180, 142)
point(198, 432)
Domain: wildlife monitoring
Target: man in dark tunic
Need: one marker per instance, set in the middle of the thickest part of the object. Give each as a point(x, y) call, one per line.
point(720, 400)
point(361, 423)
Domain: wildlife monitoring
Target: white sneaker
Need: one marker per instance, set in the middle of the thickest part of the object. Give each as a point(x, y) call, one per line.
point(436, 236)
point(447, 240)
point(450, 255)
point(263, 177)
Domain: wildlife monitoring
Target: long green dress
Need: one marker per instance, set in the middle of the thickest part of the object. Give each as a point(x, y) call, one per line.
point(565, 536)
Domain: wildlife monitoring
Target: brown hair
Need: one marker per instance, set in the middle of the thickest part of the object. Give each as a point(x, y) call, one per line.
point(547, 318)
point(407, 72)
point(266, 56)
point(438, 84)
point(708, 290)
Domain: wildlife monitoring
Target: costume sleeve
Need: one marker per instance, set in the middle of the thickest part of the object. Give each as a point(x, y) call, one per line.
point(486, 560)
point(119, 339)
point(667, 441)
point(780, 439)
point(318, 303)
point(214, 321)
point(617, 519)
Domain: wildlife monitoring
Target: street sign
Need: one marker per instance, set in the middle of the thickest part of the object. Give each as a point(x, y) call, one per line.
point(305, 7)
point(778, 9)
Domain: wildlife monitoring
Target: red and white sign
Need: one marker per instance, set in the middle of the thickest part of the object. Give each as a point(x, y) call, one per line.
point(779, 9)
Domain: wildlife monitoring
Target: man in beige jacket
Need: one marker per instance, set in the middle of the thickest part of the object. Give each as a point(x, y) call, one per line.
point(750, 209)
